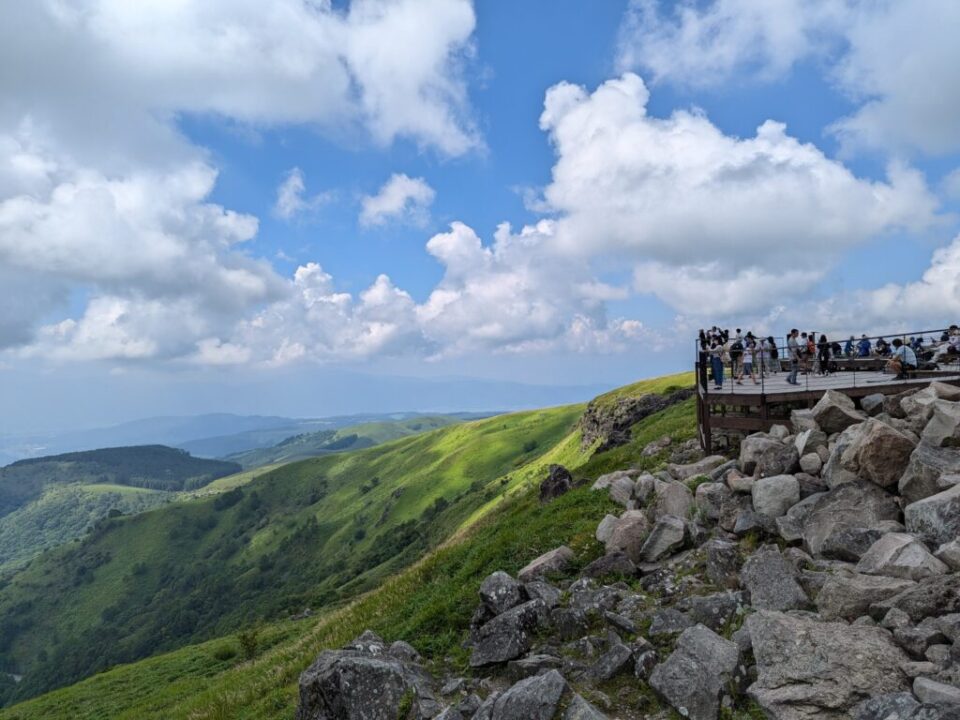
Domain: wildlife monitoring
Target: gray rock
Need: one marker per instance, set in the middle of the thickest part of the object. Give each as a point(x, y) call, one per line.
point(939, 654)
point(621, 490)
point(667, 622)
point(709, 499)
point(363, 681)
point(773, 496)
point(696, 675)
point(892, 706)
point(802, 420)
point(771, 581)
point(835, 472)
point(789, 529)
point(878, 453)
point(902, 556)
point(558, 482)
point(943, 428)
point(701, 467)
point(849, 595)
point(849, 543)
point(673, 498)
point(619, 622)
point(936, 519)
point(945, 391)
point(500, 592)
point(605, 528)
point(629, 533)
point(927, 464)
point(739, 483)
point(667, 536)
point(569, 623)
point(532, 665)
point(895, 618)
point(919, 404)
point(929, 598)
point(643, 488)
point(779, 432)
point(617, 659)
point(605, 481)
point(949, 553)
point(809, 669)
point(851, 505)
point(540, 590)
point(872, 404)
point(752, 447)
point(916, 640)
point(950, 626)
point(715, 610)
point(723, 563)
point(580, 709)
point(811, 463)
point(507, 636)
point(554, 561)
point(810, 485)
point(809, 440)
point(835, 412)
point(536, 698)
point(931, 691)
point(613, 563)
point(777, 459)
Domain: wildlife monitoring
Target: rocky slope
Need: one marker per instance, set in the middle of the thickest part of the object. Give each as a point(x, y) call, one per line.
point(813, 576)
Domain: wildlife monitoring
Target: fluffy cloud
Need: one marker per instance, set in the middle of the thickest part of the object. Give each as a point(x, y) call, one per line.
point(292, 199)
point(103, 201)
point(400, 197)
point(863, 43)
point(696, 208)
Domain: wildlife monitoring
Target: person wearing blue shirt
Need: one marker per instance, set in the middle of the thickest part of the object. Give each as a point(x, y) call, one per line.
point(863, 347)
point(848, 348)
point(904, 359)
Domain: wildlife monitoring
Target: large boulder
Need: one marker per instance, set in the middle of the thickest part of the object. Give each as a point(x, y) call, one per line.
point(949, 553)
point(849, 595)
point(927, 465)
point(936, 519)
point(667, 536)
point(554, 561)
point(801, 420)
point(508, 635)
point(628, 535)
point(773, 496)
point(850, 505)
point(605, 528)
point(808, 669)
point(919, 404)
point(943, 428)
point(367, 680)
point(892, 706)
point(723, 562)
point(878, 453)
point(752, 447)
point(500, 592)
point(779, 459)
point(672, 498)
point(697, 674)
point(536, 698)
point(809, 440)
point(558, 481)
point(701, 467)
point(771, 581)
point(835, 412)
point(932, 597)
point(872, 404)
point(710, 497)
point(900, 555)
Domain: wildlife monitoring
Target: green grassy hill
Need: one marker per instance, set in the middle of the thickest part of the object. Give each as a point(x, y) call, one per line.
point(155, 467)
point(429, 603)
point(311, 533)
point(354, 437)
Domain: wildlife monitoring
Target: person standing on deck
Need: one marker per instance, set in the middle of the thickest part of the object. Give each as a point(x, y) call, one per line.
point(793, 349)
point(716, 363)
point(749, 355)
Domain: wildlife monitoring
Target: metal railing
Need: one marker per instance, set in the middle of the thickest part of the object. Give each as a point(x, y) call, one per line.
point(858, 363)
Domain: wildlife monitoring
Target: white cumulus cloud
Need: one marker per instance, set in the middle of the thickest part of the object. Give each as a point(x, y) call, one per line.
point(400, 197)
point(292, 199)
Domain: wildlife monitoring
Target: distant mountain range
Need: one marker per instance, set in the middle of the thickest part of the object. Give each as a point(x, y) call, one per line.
point(213, 435)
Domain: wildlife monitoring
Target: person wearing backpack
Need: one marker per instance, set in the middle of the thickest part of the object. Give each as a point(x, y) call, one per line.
point(749, 354)
point(736, 353)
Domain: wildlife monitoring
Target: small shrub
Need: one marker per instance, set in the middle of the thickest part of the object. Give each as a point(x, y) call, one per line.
point(224, 653)
point(249, 642)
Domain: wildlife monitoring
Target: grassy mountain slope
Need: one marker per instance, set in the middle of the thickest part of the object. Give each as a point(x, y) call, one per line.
point(148, 466)
point(428, 604)
point(353, 437)
point(65, 512)
point(310, 533)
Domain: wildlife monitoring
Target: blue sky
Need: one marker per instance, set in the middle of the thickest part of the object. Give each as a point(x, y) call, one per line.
point(144, 150)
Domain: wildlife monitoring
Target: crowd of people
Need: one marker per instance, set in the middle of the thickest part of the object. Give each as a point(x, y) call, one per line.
point(748, 356)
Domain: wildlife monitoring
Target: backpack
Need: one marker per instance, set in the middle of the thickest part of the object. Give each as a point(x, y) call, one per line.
point(736, 348)
point(774, 353)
